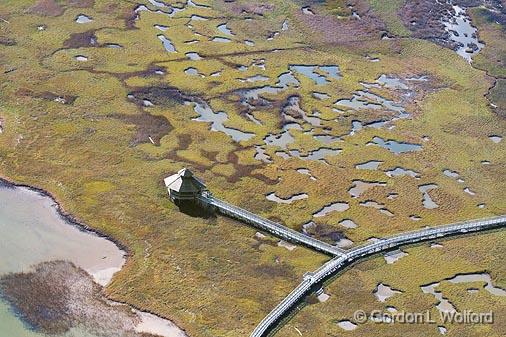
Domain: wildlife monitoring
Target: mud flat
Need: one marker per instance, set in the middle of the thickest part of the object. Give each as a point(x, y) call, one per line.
point(53, 272)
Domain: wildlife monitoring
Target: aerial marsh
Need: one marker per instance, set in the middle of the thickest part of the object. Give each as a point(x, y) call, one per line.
point(101, 100)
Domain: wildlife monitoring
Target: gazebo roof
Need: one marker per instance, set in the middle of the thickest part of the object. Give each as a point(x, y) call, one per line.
point(184, 182)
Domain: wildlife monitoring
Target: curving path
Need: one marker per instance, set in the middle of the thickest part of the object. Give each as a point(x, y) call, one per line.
point(310, 280)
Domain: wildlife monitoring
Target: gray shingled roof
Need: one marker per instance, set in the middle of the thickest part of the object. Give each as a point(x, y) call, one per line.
point(184, 182)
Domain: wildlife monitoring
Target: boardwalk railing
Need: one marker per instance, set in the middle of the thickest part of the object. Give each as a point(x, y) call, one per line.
point(270, 226)
point(334, 265)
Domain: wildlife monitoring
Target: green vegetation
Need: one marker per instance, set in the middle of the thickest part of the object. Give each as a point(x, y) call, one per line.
point(69, 127)
point(388, 10)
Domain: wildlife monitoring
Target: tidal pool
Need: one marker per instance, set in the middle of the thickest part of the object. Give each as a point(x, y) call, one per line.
point(311, 71)
point(206, 114)
point(379, 206)
point(427, 200)
point(273, 197)
point(383, 292)
point(193, 56)
point(348, 223)
point(225, 30)
point(347, 325)
point(394, 146)
point(334, 207)
point(462, 32)
point(81, 18)
point(167, 44)
point(361, 186)
point(400, 171)
point(369, 165)
point(34, 232)
point(479, 277)
point(443, 305)
point(306, 172)
point(221, 39)
point(319, 154)
point(394, 256)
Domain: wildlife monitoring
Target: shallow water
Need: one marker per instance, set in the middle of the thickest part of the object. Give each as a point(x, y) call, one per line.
point(334, 207)
point(33, 232)
point(221, 39)
point(307, 10)
point(427, 200)
point(363, 99)
point(347, 325)
point(225, 30)
point(81, 18)
point(273, 197)
point(451, 174)
point(256, 78)
point(360, 186)
point(391, 82)
point(479, 277)
point(307, 172)
point(319, 154)
point(167, 44)
point(311, 71)
point(370, 165)
point(206, 114)
point(396, 147)
point(327, 139)
point(443, 305)
point(191, 71)
point(400, 171)
point(348, 223)
point(462, 32)
point(287, 79)
point(394, 256)
point(261, 154)
point(193, 56)
point(284, 25)
point(320, 95)
point(384, 292)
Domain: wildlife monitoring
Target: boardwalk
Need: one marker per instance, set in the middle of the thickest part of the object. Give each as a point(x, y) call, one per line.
point(312, 279)
point(341, 258)
point(271, 227)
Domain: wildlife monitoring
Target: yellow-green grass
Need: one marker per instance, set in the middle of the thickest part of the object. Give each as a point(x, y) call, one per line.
point(198, 271)
point(353, 290)
point(388, 11)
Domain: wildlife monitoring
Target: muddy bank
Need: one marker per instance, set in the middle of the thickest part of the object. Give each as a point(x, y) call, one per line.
point(57, 297)
point(68, 218)
point(497, 97)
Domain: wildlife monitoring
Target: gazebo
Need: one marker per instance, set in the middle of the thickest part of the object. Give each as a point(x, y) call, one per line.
point(184, 186)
